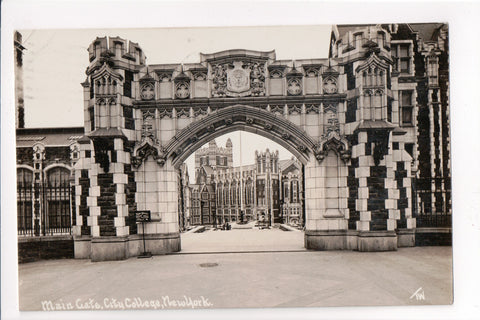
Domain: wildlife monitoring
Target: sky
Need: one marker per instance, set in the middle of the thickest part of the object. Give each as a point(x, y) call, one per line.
point(55, 61)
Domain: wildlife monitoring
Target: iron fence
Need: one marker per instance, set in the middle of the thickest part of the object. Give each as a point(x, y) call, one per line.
point(44, 210)
point(432, 202)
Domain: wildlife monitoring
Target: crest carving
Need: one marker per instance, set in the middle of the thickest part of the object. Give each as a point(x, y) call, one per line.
point(238, 79)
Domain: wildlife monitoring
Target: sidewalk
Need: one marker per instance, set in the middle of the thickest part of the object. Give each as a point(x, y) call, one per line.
point(247, 280)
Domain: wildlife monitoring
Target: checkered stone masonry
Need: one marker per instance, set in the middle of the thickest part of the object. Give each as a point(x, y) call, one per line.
point(402, 202)
point(130, 190)
point(84, 185)
point(377, 202)
point(353, 185)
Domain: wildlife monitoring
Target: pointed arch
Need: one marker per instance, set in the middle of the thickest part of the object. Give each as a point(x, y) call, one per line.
point(240, 117)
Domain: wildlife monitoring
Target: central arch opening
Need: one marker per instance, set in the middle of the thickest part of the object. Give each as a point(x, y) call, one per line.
point(241, 192)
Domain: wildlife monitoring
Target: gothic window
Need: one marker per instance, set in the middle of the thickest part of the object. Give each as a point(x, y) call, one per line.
point(406, 107)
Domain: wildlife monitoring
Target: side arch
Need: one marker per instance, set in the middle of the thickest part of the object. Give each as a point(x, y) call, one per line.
point(245, 118)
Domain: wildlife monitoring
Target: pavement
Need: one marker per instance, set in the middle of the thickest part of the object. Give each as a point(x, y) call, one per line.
point(277, 272)
point(242, 240)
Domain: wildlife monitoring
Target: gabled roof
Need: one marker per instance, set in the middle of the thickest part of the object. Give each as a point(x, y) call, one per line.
point(49, 137)
point(288, 165)
point(208, 170)
point(427, 31)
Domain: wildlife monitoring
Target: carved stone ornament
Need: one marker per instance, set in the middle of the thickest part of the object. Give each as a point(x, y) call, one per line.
point(147, 91)
point(142, 151)
point(332, 142)
point(294, 87)
point(330, 85)
point(331, 123)
point(38, 152)
point(147, 127)
point(238, 79)
point(182, 90)
point(219, 80)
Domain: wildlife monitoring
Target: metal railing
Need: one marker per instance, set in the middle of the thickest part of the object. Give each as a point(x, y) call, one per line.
point(432, 202)
point(53, 204)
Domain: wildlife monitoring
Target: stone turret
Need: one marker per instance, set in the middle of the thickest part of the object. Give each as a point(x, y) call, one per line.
point(229, 147)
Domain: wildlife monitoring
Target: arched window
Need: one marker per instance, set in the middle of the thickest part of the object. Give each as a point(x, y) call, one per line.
point(58, 217)
point(24, 201)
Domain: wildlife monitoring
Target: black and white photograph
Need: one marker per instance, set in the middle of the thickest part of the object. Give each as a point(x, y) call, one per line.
point(168, 170)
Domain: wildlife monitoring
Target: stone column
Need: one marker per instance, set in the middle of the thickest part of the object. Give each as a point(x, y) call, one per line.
point(81, 230)
point(326, 203)
point(157, 191)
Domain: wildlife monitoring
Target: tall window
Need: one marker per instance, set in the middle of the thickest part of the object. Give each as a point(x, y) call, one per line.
point(406, 107)
point(286, 194)
point(127, 86)
point(91, 115)
point(294, 191)
point(58, 199)
point(24, 201)
point(401, 55)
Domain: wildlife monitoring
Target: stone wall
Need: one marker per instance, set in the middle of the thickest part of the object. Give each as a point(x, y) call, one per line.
point(38, 248)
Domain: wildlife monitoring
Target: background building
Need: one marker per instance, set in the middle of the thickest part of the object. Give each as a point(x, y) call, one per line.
point(269, 190)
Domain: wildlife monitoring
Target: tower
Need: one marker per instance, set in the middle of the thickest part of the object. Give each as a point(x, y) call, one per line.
point(229, 147)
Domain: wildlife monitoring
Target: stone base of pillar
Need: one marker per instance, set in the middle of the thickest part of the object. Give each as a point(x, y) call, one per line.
point(406, 238)
point(366, 241)
point(372, 241)
point(326, 240)
point(120, 248)
point(156, 244)
point(82, 247)
point(109, 248)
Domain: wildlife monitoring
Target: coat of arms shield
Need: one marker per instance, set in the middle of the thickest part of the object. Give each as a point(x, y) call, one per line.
point(238, 79)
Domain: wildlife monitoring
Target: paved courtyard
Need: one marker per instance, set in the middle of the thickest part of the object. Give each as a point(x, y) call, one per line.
point(251, 280)
point(243, 240)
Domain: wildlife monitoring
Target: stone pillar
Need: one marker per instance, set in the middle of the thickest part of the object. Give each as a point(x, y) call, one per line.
point(376, 193)
point(401, 190)
point(157, 191)
point(326, 195)
point(81, 230)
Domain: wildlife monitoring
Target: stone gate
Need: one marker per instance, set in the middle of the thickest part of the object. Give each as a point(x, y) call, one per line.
point(339, 116)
